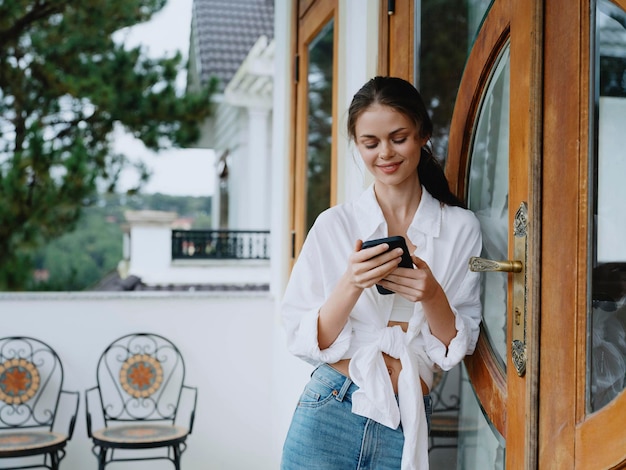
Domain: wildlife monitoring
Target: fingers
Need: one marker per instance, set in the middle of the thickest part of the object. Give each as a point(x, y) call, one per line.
point(419, 262)
point(370, 265)
point(414, 284)
point(379, 254)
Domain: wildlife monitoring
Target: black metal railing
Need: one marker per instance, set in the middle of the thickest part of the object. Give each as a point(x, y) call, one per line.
point(220, 244)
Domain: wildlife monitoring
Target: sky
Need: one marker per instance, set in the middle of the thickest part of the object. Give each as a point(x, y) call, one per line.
point(178, 172)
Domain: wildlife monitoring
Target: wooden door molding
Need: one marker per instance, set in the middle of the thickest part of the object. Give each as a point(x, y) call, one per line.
point(525, 160)
point(311, 18)
point(564, 250)
point(484, 371)
point(396, 44)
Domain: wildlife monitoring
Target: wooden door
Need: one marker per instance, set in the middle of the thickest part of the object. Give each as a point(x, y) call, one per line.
point(582, 319)
point(314, 165)
point(530, 82)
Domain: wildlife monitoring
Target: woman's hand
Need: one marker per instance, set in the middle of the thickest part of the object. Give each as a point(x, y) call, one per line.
point(365, 268)
point(419, 285)
point(416, 285)
point(369, 266)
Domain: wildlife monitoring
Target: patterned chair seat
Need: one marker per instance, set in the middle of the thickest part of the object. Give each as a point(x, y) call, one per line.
point(25, 442)
point(140, 436)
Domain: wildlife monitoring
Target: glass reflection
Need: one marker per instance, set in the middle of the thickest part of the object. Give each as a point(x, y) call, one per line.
point(320, 120)
point(445, 32)
point(608, 306)
point(489, 197)
point(480, 445)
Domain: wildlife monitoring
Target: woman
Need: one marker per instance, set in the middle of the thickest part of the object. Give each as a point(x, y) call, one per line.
point(367, 403)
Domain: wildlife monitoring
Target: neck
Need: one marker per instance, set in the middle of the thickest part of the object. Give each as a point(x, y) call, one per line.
point(398, 205)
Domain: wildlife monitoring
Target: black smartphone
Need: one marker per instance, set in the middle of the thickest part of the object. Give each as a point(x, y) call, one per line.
point(393, 242)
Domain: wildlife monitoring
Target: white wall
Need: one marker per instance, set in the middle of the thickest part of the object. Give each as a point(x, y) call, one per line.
point(235, 354)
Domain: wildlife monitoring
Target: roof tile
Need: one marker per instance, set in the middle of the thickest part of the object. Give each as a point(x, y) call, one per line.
point(225, 31)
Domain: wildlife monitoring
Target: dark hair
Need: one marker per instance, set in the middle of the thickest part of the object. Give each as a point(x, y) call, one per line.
point(404, 98)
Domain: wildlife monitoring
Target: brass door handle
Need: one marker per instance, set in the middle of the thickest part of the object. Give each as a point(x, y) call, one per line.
point(482, 265)
point(518, 279)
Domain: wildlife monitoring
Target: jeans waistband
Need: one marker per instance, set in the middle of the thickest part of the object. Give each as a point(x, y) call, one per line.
point(342, 385)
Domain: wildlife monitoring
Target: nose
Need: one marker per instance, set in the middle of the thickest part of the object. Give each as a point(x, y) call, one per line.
point(385, 151)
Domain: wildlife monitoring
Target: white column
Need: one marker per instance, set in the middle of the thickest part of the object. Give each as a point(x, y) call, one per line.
point(256, 212)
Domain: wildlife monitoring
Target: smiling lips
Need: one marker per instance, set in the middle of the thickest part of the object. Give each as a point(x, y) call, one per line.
point(389, 168)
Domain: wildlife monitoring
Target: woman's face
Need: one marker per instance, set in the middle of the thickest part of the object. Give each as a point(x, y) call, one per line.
point(389, 144)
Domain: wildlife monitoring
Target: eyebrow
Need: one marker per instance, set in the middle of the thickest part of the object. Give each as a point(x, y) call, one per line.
point(368, 136)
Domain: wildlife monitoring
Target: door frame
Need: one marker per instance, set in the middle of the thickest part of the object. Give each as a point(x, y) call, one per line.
point(310, 16)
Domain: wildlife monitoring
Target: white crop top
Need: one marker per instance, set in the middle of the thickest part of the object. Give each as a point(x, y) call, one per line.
point(402, 309)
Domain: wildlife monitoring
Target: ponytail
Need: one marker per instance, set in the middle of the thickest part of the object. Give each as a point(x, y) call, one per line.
point(433, 178)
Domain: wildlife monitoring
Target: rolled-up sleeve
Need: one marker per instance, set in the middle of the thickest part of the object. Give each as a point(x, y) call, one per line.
point(306, 292)
point(464, 297)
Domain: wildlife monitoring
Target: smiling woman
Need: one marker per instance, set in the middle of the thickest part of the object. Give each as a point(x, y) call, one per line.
point(376, 352)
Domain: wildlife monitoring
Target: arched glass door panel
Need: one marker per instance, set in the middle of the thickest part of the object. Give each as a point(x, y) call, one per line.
point(488, 194)
point(481, 445)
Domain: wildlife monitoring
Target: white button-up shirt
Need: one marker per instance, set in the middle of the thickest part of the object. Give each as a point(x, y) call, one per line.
point(445, 237)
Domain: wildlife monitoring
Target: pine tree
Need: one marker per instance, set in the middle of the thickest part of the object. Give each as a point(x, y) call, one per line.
point(65, 84)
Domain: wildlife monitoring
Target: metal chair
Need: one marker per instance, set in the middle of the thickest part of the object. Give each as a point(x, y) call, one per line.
point(451, 429)
point(141, 399)
point(33, 405)
point(444, 425)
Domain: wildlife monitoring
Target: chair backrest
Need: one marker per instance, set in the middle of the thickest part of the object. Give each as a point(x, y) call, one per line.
point(31, 379)
point(446, 391)
point(140, 377)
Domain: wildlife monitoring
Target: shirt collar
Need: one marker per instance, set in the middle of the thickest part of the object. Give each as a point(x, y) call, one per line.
point(372, 224)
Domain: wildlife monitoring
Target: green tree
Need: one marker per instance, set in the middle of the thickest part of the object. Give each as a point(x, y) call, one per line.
point(64, 86)
point(81, 258)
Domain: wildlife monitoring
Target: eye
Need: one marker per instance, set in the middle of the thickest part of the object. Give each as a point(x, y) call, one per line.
point(369, 144)
point(399, 141)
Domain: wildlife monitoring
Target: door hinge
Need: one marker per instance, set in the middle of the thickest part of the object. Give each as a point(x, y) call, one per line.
point(296, 68)
point(391, 7)
point(293, 244)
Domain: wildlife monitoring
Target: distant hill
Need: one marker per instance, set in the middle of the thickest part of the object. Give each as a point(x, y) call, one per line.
point(81, 258)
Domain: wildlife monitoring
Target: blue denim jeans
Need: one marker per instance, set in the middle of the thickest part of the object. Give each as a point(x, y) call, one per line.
point(326, 435)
